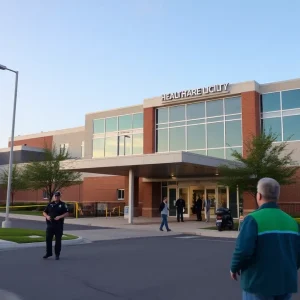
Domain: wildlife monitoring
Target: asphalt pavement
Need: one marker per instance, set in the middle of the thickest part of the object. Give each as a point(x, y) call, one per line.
point(133, 269)
point(39, 225)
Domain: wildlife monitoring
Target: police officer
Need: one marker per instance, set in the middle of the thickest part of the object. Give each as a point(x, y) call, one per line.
point(55, 212)
point(180, 206)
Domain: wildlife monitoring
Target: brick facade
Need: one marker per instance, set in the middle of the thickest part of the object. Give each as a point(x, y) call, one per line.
point(40, 142)
point(149, 130)
point(250, 102)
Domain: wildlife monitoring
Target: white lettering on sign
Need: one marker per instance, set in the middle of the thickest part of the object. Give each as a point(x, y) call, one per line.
point(218, 88)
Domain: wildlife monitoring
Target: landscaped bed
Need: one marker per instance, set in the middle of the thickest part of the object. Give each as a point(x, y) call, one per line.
point(19, 235)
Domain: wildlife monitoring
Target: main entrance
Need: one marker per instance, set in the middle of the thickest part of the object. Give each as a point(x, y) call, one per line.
point(219, 196)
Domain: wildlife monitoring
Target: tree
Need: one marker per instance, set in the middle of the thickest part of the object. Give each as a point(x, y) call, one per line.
point(47, 175)
point(265, 158)
point(18, 180)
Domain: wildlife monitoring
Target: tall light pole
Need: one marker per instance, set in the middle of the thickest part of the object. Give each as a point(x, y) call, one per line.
point(7, 222)
point(128, 137)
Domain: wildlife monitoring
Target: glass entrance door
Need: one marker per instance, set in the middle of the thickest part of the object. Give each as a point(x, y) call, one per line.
point(172, 196)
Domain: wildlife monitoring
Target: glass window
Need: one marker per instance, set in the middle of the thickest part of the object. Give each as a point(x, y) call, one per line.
point(162, 140)
point(273, 125)
point(196, 137)
point(214, 108)
point(137, 143)
point(125, 142)
point(215, 135)
point(233, 117)
point(121, 194)
point(177, 138)
point(177, 124)
point(194, 122)
point(270, 102)
point(99, 126)
point(219, 153)
point(162, 115)
point(290, 128)
point(177, 113)
point(195, 110)
point(229, 151)
point(202, 152)
point(111, 124)
point(125, 122)
point(111, 146)
point(98, 148)
point(138, 120)
point(290, 99)
point(233, 133)
point(232, 105)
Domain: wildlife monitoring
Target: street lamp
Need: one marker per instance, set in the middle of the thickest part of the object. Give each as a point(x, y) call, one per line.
point(128, 137)
point(7, 222)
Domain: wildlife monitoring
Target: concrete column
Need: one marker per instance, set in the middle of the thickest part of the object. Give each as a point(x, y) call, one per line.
point(131, 196)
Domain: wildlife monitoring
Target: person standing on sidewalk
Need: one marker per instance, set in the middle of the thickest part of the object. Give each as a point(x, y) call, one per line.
point(180, 206)
point(267, 253)
point(164, 210)
point(55, 212)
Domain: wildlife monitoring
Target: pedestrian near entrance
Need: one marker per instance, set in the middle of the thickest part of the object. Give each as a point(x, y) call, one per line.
point(267, 253)
point(199, 206)
point(180, 206)
point(55, 212)
point(164, 210)
point(207, 205)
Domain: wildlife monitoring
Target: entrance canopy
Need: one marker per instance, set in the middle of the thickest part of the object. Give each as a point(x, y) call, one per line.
point(158, 165)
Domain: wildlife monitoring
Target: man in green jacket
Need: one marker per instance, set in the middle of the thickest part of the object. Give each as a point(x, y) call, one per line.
point(267, 253)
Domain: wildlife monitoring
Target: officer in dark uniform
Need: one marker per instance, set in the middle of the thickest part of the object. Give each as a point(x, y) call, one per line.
point(199, 206)
point(180, 206)
point(55, 212)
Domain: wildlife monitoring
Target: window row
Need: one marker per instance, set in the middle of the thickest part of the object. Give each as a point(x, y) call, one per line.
point(225, 153)
point(203, 136)
point(280, 101)
point(125, 122)
point(205, 109)
point(118, 146)
point(286, 127)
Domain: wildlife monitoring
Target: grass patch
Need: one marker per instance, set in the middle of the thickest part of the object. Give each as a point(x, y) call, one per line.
point(19, 235)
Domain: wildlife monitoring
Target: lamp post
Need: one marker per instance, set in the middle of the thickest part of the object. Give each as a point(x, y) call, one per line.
point(125, 136)
point(7, 222)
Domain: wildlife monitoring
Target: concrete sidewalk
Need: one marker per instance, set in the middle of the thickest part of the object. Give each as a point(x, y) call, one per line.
point(141, 224)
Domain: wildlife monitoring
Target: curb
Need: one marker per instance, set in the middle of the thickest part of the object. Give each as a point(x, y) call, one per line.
point(11, 245)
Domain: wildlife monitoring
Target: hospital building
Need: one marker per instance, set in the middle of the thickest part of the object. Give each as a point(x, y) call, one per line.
point(170, 145)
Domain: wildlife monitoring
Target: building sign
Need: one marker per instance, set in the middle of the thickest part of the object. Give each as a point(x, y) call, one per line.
point(213, 89)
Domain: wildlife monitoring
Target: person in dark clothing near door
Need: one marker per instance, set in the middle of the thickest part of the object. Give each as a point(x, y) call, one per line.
point(180, 206)
point(199, 205)
point(55, 212)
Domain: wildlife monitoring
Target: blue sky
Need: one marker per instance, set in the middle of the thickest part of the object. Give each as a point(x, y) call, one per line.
point(77, 56)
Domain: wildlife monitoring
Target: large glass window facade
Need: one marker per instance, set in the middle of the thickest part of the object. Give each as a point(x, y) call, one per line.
point(281, 114)
point(211, 128)
point(118, 135)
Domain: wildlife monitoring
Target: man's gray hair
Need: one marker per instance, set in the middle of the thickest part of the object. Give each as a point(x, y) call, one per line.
point(269, 188)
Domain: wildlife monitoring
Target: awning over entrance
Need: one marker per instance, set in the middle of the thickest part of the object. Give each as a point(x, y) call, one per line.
point(158, 165)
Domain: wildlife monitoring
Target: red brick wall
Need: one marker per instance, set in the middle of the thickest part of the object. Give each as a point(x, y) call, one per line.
point(149, 130)
point(96, 189)
point(35, 142)
point(250, 116)
point(250, 128)
point(72, 193)
point(151, 199)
